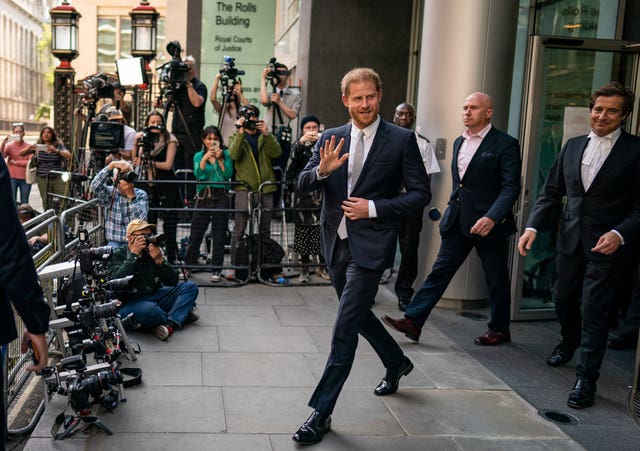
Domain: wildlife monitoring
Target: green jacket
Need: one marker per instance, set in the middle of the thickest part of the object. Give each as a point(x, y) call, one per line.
point(247, 169)
point(212, 173)
point(147, 276)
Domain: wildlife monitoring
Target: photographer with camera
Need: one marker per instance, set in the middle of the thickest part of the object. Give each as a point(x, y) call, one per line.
point(252, 148)
point(306, 235)
point(188, 122)
point(122, 202)
point(232, 100)
point(19, 289)
point(117, 116)
point(283, 106)
point(211, 164)
point(118, 102)
point(154, 156)
point(159, 301)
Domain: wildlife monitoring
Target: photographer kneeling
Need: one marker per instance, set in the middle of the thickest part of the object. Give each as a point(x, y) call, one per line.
point(159, 301)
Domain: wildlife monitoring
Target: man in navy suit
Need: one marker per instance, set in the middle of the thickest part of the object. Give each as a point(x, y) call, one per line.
point(18, 286)
point(599, 175)
point(486, 183)
point(360, 169)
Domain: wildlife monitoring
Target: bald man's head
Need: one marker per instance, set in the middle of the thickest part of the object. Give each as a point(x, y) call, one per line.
point(477, 111)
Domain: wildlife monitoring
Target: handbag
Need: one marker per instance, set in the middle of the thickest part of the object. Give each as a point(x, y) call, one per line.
point(31, 171)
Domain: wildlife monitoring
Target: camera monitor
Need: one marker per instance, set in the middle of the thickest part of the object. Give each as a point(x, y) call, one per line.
point(131, 71)
point(106, 136)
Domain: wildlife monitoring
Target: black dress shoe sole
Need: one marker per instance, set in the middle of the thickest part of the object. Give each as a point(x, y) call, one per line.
point(555, 360)
point(317, 439)
point(404, 372)
point(579, 405)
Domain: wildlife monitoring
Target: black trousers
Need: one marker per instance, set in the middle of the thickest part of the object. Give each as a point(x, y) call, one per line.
point(408, 239)
point(219, 223)
point(356, 288)
point(585, 292)
point(454, 249)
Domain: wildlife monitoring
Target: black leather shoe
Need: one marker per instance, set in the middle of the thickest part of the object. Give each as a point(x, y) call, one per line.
point(621, 342)
point(389, 384)
point(403, 303)
point(582, 394)
point(313, 429)
point(558, 357)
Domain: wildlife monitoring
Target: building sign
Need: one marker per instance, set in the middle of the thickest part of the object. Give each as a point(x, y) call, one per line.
point(244, 31)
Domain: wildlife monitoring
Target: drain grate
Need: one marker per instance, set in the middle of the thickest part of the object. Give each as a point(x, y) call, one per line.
point(558, 417)
point(473, 316)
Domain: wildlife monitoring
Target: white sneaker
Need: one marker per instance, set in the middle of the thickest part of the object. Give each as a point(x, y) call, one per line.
point(231, 274)
point(163, 331)
point(215, 277)
point(304, 276)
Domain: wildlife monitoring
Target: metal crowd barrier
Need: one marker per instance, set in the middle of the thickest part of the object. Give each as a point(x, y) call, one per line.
point(51, 267)
point(253, 244)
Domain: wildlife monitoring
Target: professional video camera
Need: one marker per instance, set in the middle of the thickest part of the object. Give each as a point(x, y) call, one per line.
point(250, 117)
point(150, 137)
point(229, 73)
point(277, 71)
point(175, 72)
point(97, 87)
point(84, 385)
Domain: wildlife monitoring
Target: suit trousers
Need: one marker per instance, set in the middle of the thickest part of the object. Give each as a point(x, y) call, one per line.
point(356, 288)
point(454, 249)
point(585, 302)
point(408, 239)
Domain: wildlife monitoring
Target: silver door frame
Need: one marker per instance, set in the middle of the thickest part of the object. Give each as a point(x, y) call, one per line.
point(529, 139)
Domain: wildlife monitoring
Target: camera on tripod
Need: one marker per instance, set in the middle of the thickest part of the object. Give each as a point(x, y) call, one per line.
point(228, 72)
point(250, 116)
point(97, 87)
point(277, 71)
point(150, 136)
point(175, 72)
point(84, 385)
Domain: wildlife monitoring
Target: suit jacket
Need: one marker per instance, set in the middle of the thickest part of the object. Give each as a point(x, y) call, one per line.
point(611, 202)
point(18, 278)
point(490, 186)
point(393, 160)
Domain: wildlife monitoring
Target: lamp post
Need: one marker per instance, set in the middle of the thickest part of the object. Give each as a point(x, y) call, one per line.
point(64, 46)
point(144, 27)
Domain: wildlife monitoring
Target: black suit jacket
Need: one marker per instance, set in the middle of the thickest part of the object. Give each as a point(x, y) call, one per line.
point(18, 278)
point(393, 160)
point(490, 186)
point(611, 202)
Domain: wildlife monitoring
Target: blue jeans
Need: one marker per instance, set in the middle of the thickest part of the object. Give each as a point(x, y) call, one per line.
point(166, 305)
point(24, 187)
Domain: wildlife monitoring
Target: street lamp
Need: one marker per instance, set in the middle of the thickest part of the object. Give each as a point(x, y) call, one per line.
point(64, 46)
point(144, 28)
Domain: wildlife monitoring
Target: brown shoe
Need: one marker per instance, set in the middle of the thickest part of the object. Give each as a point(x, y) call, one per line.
point(404, 325)
point(493, 338)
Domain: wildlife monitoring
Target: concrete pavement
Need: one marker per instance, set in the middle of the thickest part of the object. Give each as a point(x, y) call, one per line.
point(240, 379)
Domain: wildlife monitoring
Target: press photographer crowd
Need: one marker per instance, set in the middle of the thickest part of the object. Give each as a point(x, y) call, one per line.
point(174, 169)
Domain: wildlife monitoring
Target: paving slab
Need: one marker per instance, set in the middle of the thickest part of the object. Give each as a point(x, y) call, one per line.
point(482, 413)
point(265, 338)
point(255, 369)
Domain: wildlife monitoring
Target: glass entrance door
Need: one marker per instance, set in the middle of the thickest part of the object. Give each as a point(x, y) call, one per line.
point(562, 74)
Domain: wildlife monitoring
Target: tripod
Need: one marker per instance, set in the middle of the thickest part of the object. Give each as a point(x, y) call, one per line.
point(227, 98)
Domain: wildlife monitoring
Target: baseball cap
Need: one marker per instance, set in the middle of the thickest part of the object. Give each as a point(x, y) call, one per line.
point(138, 224)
